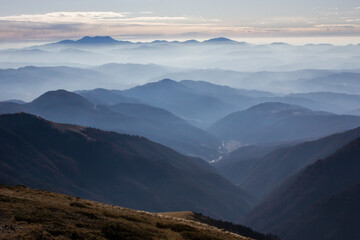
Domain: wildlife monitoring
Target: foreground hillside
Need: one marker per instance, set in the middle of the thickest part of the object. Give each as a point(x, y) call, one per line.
point(229, 226)
point(120, 169)
point(35, 214)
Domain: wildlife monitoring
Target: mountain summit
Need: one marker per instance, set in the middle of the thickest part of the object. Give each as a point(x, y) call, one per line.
point(219, 40)
point(93, 40)
point(61, 97)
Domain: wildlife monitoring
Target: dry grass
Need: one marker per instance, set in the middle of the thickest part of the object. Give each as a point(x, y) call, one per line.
point(33, 214)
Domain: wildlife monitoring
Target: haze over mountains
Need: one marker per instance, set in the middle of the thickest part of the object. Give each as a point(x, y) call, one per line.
point(245, 93)
point(259, 169)
point(147, 110)
point(42, 79)
point(185, 102)
point(279, 123)
point(265, 135)
point(144, 120)
point(214, 53)
point(280, 68)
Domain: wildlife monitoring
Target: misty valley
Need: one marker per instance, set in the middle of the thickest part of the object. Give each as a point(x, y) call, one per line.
point(216, 139)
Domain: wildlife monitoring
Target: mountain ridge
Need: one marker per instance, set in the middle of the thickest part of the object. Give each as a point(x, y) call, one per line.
point(307, 192)
point(109, 40)
point(65, 158)
point(267, 166)
point(279, 123)
point(156, 124)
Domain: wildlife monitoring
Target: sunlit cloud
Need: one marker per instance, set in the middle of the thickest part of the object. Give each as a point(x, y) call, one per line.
point(88, 17)
point(66, 17)
point(59, 25)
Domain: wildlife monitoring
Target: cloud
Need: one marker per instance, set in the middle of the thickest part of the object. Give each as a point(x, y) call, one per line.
point(65, 17)
point(60, 25)
point(353, 20)
point(89, 17)
point(337, 26)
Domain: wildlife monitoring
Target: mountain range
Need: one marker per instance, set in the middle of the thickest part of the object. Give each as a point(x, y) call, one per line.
point(97, 40)
point(197, 108)
point(105, 40)
point(37, 80)
point(329, 101)
point(103, 96)
point(355, 112)
point(275, 122)
point(259, 169)
point(218, 53)
point(199, 104)
point(265, 135)
point(345, 82)
point(120, 169)
point(124, 76)
point(139, 119)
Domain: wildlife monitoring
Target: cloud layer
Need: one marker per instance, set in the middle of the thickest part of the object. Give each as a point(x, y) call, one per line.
point(57, 25)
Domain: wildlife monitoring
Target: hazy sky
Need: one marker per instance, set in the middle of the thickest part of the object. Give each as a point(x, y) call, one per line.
point(50, 20)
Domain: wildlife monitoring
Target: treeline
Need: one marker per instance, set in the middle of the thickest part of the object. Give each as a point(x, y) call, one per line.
point(235, 228)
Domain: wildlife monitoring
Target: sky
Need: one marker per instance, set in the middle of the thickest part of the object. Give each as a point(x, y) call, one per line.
point(259, 20)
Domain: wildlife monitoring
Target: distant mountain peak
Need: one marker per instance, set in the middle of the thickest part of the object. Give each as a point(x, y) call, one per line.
point(167, 81)
point(270, 106)
point(159, 41)
point(97, 40)
point(93, 40)
point(220, 40)
point(67, 41)
point(60, 97)
point(191, 41)
point(164, 83)
point(279, 43)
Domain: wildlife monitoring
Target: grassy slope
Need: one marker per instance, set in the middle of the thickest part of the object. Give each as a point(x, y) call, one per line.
point(235, 228)
point(33, 214)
